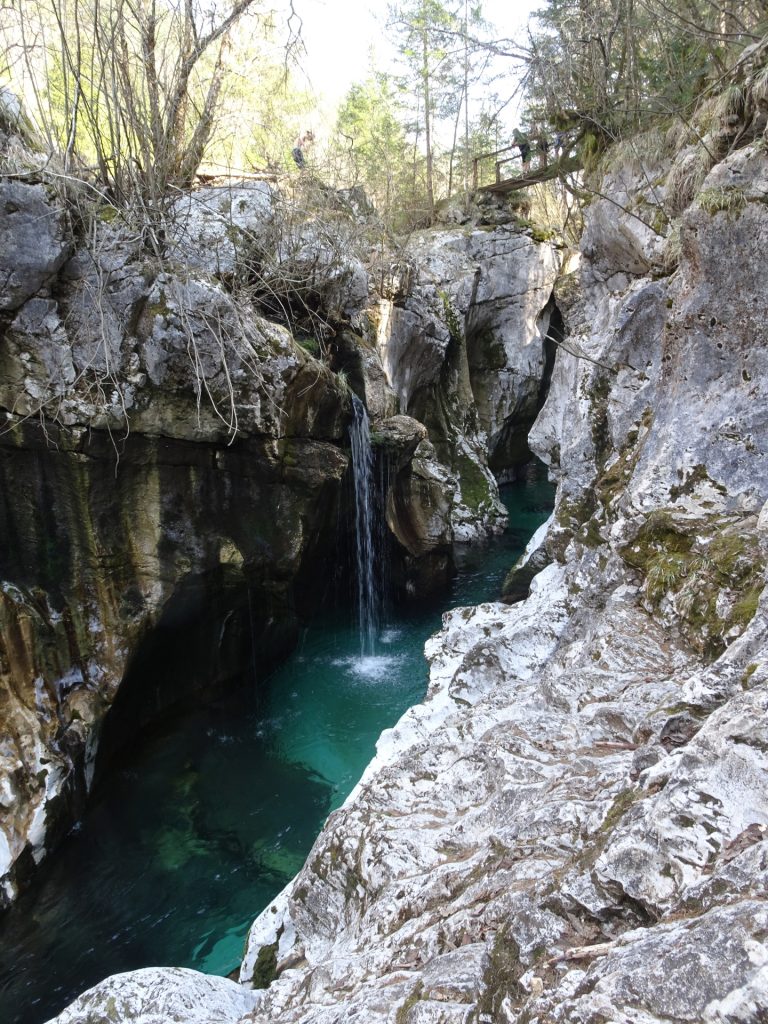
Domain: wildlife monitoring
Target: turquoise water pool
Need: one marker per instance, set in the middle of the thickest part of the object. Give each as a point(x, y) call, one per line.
point(207, 820)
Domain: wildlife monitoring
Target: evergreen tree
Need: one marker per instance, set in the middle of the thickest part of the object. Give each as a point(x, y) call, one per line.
point(427, 32)
point(373, 143)
point(607, 68)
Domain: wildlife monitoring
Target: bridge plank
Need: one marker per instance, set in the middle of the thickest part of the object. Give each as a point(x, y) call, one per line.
point(565, 166)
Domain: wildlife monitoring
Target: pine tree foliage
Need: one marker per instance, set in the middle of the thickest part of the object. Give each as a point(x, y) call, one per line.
point(441, 61)
point(605, 69)
point(372, 143)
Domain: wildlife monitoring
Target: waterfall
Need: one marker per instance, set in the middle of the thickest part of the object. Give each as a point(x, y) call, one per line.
point(362, 479)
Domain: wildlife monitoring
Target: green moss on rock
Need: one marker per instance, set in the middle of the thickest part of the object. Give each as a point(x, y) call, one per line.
point(265, 968)
point(311, 345)
point(598, 396)
point(709, 576)
point(696, 476)
point(621, 804)
point(574, 512)
point(475, 489)
point(659, 535)
point(502, 975)
point(744, 609)
point(403, 1011)
point(749, 671)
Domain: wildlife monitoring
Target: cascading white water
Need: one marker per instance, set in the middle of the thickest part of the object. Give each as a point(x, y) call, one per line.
point(362, 478)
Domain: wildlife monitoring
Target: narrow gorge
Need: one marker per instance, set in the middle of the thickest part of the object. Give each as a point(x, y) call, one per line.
point(568, 820)
point(178, 499)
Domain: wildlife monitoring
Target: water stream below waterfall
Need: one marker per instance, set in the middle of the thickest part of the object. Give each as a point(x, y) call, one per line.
point(207, 820)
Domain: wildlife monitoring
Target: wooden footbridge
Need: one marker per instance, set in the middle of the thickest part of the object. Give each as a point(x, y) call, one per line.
point(546, 170)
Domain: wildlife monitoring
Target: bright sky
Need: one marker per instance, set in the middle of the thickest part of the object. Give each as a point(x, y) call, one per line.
point(341, 36)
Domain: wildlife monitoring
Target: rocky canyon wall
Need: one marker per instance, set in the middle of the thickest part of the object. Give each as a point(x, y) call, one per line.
point(170, 467)
point(573, 826)
point(462, 335)
point(172, 461)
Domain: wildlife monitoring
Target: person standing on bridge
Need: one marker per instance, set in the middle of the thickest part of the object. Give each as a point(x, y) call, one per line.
point(523, 143)
point(560, 143)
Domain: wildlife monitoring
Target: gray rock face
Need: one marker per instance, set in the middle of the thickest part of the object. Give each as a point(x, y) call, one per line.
point(314, 255)
point(696, 809)
point(216, 230)
point(485, 293)
point(102, 528)
point(583, 791)
point(683, 971)
point(160, 995)
point(428, 353)
point(355, 356)
point(619, 242)
point(33, 242)
point(10, 109)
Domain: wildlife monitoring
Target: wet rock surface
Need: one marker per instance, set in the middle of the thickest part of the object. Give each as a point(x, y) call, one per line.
point(170, 461)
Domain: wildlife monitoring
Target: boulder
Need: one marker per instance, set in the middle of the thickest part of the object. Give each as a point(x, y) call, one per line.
point(355, 356)
point(216, 230)
point(34, 242)
point(157, 995)
point(419, 506)
point(517, 583)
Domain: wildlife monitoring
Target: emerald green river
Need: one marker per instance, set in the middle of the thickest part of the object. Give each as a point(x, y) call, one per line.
point(206, 820)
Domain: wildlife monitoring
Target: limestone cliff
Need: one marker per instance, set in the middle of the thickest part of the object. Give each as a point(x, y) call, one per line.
point(170, 465)
point(463, 341)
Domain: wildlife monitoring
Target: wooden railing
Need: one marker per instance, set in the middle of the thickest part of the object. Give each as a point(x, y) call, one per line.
point(499, 163)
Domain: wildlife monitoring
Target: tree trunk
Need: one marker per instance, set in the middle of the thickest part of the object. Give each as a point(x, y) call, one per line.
point(427, 119)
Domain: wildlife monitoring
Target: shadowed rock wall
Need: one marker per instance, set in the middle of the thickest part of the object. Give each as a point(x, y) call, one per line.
point(202, 527)
point(464, 348)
